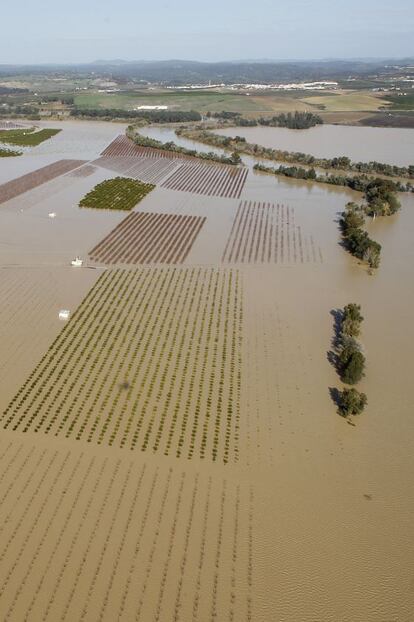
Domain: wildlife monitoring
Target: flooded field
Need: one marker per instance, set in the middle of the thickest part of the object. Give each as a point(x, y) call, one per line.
point(172, 452)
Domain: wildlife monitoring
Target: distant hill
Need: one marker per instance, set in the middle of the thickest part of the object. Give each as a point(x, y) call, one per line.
point(181, 72)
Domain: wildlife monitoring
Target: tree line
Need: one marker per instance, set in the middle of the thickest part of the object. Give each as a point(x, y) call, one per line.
point(350, 360)
point(380, 200)
point(359, 183)
point(150, 116)
point(356, 240)
point(296, 121)
point(144, 141)
point(239, 143)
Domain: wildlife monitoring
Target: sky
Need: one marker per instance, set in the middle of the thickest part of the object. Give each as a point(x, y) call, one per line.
point(45, 31)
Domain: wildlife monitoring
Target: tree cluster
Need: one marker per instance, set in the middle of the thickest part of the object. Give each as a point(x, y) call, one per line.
point(150, 116)
point(296, 121)
point(224, 114)
point(356, 240)
point(144, 141)
point(381, 198)
point(351, 361)
point(297, 157)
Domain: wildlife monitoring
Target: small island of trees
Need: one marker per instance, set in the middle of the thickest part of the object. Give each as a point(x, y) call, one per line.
point(350, 360)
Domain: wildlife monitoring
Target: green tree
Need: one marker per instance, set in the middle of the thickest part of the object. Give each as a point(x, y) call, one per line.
point(352, 365)
point(235, 157)
point(351, 320)
point(351, 402)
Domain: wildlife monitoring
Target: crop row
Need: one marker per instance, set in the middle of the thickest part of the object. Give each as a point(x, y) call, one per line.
point(149, 170)
point(125, 147)
point(149, 238)
point(151, 359)
point(10, 125)
point(14, 188)
point(84, 171)
point(120, 193)
point(266, 233)
point(213, 180)
point(99, 537)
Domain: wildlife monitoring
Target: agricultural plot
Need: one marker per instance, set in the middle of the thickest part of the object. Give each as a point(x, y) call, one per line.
point(119, 193)
point(30, 299)
point(151, 360)
point(26, 137)
point(27, 182)
point(126, 148)
point(10, 125)
point(267, 233)
point(149, 238)
point(83, 171)
point(149, 170)
point(209, 179)
point(86, 537)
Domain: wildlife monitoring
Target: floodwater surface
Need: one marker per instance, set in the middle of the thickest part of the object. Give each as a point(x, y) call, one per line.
point(174, 452)
point(361, 144)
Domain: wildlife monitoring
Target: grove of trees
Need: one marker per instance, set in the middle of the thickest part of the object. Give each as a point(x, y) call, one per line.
point(350, 360)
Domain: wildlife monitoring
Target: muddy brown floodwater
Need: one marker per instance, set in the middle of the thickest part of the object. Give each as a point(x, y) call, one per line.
point(361, 144)
point(172, 452)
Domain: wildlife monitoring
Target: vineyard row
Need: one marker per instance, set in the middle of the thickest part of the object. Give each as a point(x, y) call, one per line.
point(87, 537)
point(150, 360)
point(149, 238)
point(212, 180)
point(267, 233)
point(149, 170)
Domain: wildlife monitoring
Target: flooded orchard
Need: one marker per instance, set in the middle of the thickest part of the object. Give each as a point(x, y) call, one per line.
point(172, 451)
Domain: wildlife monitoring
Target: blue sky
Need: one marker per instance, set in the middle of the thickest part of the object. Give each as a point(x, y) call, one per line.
point(85, 30)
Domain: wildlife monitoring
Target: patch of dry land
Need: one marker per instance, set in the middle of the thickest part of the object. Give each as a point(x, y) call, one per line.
point(171, 452)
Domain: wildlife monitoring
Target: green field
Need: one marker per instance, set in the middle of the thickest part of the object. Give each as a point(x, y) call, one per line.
point(401, 102)
point(198, 100)
point(116, 194)
point(26, 138)
point(248, 104)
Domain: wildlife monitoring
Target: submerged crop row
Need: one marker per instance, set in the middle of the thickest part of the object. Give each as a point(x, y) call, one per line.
point(128, 541)
point(151, 360)
point(120, 193)
point(267, 233)
point(147, 169)
point(125, 147)
point(22, 184)
point(210, 179)
point(149, 238)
